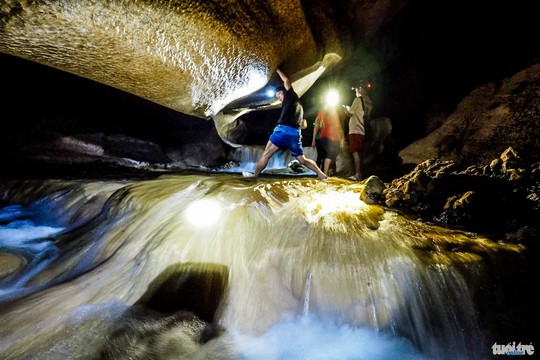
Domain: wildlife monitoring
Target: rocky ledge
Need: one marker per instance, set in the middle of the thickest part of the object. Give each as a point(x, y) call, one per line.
point(501, 198)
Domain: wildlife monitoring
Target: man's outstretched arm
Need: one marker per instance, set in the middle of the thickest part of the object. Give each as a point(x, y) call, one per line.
point(285, 79)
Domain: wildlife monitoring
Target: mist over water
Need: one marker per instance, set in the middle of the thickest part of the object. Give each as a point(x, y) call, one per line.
point(311, 338)
point(310, 271)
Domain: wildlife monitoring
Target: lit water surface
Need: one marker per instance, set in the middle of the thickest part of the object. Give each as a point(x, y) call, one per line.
point(313, 272)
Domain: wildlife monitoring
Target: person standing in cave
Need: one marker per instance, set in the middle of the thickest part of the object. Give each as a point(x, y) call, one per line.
point(287, 132)
point(328, 127)
point(359, 112)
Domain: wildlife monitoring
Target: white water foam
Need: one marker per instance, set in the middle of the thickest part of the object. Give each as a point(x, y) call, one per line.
point(311, 338)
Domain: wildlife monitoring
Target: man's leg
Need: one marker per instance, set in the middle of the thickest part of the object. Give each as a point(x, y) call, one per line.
point(312, 166)
point(357, 165)
point(263, 161)
point(321, 154)
point(327, 163)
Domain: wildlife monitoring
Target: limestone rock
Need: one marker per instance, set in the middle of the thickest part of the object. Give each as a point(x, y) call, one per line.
point(373, 191)
point(501, 199)
point(494, 117)
point(193, 56)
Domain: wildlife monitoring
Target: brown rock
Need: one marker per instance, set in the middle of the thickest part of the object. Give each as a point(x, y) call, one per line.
point(372, 193)
point(492, 119)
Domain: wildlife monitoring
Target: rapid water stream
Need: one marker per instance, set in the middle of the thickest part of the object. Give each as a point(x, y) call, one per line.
point(305, 270)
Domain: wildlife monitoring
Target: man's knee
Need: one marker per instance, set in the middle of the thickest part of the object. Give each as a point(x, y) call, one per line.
point(301, 158)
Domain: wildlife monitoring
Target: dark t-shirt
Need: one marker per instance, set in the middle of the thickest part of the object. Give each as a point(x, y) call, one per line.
point(292, 112)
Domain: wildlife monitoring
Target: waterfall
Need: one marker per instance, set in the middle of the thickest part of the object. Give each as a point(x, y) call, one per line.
point(247, 156)
point(307, 269)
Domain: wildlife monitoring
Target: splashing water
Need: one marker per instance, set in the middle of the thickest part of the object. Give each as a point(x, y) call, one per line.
point(312, 272)
point(248, 156)
point(310, 338)
point(28, 235)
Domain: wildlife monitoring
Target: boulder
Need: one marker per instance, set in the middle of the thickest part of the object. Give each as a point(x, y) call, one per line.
point(492, 118)
point(372, 193)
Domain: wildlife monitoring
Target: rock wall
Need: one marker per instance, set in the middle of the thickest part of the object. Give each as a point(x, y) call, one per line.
point(492, 118)
point(191, 56)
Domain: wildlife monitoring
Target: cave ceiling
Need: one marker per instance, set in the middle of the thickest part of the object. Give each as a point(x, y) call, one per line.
point(196, 57)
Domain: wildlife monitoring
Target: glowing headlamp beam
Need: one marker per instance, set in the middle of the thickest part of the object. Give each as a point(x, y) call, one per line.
point(332, 98)
point(203, 213)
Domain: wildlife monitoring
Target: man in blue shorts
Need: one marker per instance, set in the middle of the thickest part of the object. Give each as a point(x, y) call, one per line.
point(287, 132)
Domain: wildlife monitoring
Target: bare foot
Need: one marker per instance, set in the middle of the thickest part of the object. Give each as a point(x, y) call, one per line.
point(248, 174)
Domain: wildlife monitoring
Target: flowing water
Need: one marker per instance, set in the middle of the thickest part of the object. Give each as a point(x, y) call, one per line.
point(308, 270)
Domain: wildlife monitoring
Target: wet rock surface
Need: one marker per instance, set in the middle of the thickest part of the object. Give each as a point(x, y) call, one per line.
point(193, 56)
point(500, 197)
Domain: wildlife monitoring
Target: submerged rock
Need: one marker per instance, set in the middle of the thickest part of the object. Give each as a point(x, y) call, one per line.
point(194, 287)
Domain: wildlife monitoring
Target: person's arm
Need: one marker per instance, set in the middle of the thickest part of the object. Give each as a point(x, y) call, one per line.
point(315, 131)
point(285, 79)
point(303, 125)
point(316, 127)
point(356, 107)
point(347, 110)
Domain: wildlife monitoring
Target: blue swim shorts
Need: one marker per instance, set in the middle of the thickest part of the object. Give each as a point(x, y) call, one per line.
point(288, 137)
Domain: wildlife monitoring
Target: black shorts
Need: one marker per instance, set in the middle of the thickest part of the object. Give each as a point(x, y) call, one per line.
point(331, 148)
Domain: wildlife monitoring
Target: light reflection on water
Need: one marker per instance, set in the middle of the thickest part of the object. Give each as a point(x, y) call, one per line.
point(295, 248)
